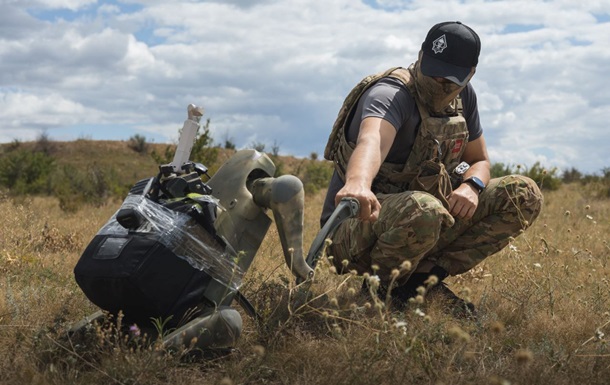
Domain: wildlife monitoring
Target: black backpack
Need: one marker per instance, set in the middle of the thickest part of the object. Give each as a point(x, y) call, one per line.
point(159, 258)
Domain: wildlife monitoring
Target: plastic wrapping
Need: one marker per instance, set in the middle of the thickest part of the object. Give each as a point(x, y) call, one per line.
point(184, 236)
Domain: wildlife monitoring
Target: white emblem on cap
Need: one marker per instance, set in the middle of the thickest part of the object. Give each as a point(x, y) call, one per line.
point(439, 45)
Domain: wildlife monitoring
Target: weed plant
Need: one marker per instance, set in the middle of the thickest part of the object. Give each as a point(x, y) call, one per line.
point(543, 312)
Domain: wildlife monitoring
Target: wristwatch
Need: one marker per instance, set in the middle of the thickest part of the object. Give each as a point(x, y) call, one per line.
point(476, 183)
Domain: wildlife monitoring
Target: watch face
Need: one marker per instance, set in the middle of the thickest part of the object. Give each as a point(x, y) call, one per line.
point(476, 182)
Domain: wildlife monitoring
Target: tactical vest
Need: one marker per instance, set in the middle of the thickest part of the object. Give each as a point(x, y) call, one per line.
point(438, 147)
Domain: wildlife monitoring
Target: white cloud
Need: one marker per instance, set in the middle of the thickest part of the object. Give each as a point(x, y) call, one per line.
point(109, 9)
point(26, 115)
point(277, 71)
point(72, 5)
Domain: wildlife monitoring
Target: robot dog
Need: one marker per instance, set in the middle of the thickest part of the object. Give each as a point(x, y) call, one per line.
point(178, 248)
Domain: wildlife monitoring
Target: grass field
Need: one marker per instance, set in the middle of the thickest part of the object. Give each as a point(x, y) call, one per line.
point(543, 303)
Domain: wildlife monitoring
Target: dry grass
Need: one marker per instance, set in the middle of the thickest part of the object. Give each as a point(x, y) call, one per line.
point(544, 307)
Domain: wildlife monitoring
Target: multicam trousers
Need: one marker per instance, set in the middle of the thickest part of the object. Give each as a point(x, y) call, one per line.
point(414, 226)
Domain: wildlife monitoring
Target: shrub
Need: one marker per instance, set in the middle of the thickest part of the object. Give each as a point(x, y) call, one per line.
point(275, 149)
point(25, 172)
point(599, 185)
point(316, 176)
point(499, 170)
point(165, 157)
point(571, 175)
point(44, 144)
point(258, 146)
point(93, 185)
point(229, 143)
point(12, 146)
point(280, 166)
point(203, 150)
point(546, 179)
point(138, 143)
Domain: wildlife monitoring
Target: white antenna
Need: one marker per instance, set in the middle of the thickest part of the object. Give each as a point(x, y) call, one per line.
point(187, 138)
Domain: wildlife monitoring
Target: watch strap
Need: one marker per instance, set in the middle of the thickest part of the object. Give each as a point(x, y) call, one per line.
point(476, 183)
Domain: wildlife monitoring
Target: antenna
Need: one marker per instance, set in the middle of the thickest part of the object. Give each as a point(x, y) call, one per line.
point(187, 138)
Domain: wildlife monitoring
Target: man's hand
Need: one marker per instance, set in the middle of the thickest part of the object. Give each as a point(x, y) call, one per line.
point(369, 205)
point(463, 201)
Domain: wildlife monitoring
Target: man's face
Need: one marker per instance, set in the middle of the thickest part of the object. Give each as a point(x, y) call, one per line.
point(441, 80)
point(435, 92)
point(446, 85)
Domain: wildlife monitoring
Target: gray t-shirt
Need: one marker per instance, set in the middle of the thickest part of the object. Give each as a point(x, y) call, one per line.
point(390, 100)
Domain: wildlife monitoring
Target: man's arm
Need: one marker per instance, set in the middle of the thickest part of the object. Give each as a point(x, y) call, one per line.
point(372, 146)
point(463, 201)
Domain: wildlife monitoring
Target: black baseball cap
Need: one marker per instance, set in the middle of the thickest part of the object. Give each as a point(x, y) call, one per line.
point(450, 51)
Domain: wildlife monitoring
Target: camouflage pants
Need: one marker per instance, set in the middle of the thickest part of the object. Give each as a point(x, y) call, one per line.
point(414, 226)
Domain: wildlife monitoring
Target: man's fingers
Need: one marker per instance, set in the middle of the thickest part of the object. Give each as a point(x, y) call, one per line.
point(375, 211)
point(365, 209)
point(465, 212)
point(456, 208)
point(461, 207)
point(369, 205)
point(371, 213)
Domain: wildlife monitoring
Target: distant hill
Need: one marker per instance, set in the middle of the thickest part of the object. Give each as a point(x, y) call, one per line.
point(89, 171)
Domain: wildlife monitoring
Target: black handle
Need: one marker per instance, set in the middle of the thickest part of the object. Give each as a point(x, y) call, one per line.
point(347, 208)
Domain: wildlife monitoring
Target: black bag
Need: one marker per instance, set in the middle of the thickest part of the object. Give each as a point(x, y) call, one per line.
point(138, 275)
point(158, 260)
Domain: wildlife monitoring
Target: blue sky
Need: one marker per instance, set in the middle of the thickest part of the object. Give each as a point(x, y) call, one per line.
point(276, 71)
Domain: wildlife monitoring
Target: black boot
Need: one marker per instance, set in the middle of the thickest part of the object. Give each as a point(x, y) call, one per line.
point(409, 289)
point(455, 304)
point(402, 294)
